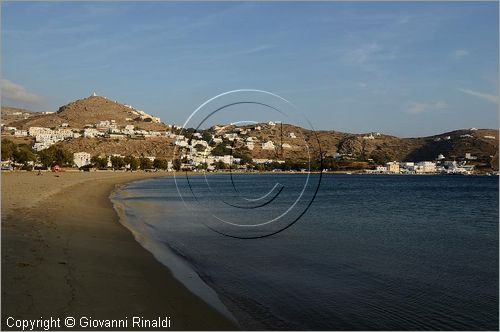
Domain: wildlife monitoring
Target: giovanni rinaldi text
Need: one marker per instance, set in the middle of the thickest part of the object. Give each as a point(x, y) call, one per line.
point(52, 323)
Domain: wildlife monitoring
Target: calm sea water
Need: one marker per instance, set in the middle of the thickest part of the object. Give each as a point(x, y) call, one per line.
point(370, 252)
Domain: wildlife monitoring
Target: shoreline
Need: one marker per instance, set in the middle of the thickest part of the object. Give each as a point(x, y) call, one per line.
point(180, 269)
point(65, 253)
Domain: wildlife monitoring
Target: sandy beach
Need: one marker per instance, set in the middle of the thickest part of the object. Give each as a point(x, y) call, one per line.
point(64, 253)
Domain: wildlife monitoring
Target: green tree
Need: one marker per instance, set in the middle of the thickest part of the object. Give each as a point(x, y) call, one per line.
point(160, 163)
point(244, 154)
point(145, 163)
point(199, 147)
point(62, 157)
point(8, 148)
point(221, 165)
point(100, 163)
point(221, 149)
point(206, 136)
point(202, 166)
point(177, 164)
point(132, 162)
point(380, 157)
point(23, 154)
point(117, 162)
point(46, 157)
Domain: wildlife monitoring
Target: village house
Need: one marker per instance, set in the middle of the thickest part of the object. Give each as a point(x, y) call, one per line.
point(425, 167)
point(91, 132)
point(250, 144)
point(230, 136)
point(81, 159)
point(469, 156)
point(392, 167)
point(20, 133)
point(269, 145)
point(34, 131)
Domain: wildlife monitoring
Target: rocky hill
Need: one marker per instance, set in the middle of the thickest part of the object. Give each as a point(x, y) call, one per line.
point(12, 114)
point(480, 143)
point(89, 111)
point(289, 142)
point(160, 147)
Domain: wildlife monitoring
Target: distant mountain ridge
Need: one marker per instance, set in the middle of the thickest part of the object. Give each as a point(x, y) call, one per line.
point(482, 144)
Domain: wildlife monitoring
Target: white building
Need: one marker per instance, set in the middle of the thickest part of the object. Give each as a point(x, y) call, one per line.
point(292, 135)
point(425, 167)
point(91, 132)
point(230, 136)
point(269, 145)
point(34, 131)
point(469, 156)
point(21, 133)
point(262, 161)
point(181, 143)
point(81, 159)
point(39, 146)
point(392, 167)
point(62, 134)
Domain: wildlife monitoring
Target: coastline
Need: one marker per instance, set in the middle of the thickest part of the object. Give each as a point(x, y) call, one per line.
point(179, 267)
point(65, 253)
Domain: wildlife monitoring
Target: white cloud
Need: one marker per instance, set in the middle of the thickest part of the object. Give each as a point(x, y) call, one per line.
point(367, 55)
point(459, 54)
point(481, 95)
point(420, 107)
point(364, 53)
point(16, 92)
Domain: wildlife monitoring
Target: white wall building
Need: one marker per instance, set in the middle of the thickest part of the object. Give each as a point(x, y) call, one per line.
point(392, 167)
point(269, 145)
point(21, 133)
point(425, 167)
point(81, 159)
point(91, 132)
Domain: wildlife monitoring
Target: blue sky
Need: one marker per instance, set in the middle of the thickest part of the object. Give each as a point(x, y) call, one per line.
point(407, 69)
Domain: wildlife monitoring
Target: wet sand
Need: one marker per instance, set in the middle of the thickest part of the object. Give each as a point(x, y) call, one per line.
point(64, 253)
